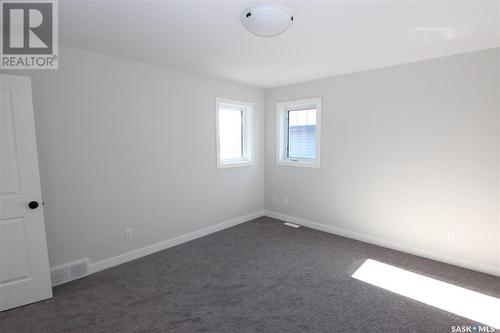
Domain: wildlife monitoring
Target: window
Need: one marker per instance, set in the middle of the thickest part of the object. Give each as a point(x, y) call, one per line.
point(299, 133)
point(234, 133)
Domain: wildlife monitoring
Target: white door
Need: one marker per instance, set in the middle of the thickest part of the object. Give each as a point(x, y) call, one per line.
point(24, 265)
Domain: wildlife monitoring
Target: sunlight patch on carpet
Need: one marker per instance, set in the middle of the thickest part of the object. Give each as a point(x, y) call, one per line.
point(460, 301)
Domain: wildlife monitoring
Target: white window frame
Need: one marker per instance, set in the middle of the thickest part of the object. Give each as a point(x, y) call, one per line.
point(282, 132)
point(248, 133)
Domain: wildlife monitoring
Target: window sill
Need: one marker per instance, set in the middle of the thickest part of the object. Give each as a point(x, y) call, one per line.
point(234, 164)
point(299, 163)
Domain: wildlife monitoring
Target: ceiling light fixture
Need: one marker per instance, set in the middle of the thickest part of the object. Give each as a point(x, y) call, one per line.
point(267, 20)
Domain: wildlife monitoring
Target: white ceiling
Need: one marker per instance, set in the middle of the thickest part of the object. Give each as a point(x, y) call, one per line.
point(326, 38)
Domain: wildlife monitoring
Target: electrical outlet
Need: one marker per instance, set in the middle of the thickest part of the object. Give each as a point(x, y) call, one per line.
point(451, 236)
point(129, 233)
point(285, 202)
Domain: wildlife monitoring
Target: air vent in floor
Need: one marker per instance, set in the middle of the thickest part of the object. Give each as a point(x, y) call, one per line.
point(69, 272)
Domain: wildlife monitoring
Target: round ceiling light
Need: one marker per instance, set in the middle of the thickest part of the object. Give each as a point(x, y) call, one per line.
point(267, 20)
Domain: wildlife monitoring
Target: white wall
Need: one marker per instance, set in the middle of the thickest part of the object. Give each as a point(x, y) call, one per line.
point(125, 144)
point(408, 153)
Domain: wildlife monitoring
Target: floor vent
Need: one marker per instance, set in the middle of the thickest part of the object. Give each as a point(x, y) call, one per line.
point(69, 272)
point(293, 225)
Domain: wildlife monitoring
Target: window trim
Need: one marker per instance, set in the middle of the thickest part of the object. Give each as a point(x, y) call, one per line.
point(247, 131)
point(282, 110)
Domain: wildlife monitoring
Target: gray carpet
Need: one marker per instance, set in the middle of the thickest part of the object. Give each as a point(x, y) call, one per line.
point(259, 276)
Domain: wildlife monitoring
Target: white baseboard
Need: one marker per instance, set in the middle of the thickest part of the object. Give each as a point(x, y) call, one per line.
point(391, 245)
point(135, 254)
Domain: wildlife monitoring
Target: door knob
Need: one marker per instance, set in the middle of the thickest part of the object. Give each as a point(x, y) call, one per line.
point(33, 204)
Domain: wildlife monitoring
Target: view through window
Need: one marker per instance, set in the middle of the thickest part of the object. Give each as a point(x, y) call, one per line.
point(231, 134)
point(302, 134)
